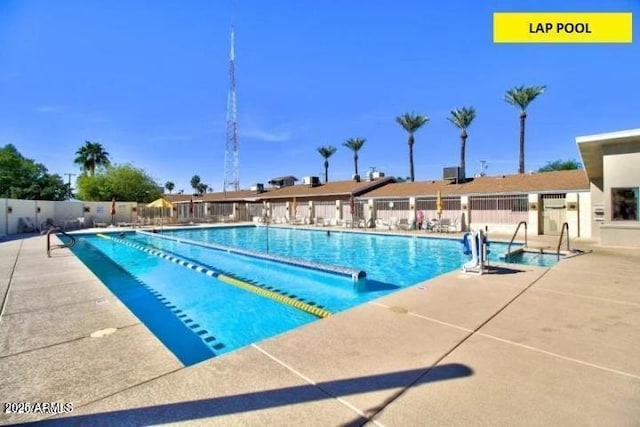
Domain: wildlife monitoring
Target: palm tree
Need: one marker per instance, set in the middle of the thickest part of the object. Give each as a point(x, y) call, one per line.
point(195, 181)
point(462, 118)
point(355, 144)
point(521, 97)
point(90, 156)
point(411, 123)
point(326, 152)
point(202, 188)
point(169, 186)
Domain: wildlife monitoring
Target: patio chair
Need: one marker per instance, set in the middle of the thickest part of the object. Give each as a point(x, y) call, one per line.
point(443, 225)
point(48, 224)
point(403, 224)
point(26, 224)
point(454, 226)
point(429, 225)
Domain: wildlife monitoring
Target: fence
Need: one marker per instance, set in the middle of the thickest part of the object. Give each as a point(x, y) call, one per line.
point(392, 208)
point(499, 209)
point(18, 215)
point(359, 209)
point(325, 209)
point(450, 207)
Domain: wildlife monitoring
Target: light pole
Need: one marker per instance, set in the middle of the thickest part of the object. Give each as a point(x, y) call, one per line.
point(70, 175)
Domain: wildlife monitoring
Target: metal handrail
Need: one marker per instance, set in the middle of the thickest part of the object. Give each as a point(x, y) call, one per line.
point(514, 237)
point(565, 225)
point(56, 230)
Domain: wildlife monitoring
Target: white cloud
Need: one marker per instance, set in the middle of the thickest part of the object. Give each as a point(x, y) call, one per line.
point(49, 108)
point(266, 135)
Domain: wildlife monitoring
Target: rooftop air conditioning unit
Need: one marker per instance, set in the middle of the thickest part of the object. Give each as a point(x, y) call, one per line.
point(258, 188)
point(377, 174)
point(311, 181)
point(454, 173)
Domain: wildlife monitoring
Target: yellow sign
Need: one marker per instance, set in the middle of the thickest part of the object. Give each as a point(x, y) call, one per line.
point(562, 27)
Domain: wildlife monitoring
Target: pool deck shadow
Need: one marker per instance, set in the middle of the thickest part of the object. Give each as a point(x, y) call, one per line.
point(519, 346)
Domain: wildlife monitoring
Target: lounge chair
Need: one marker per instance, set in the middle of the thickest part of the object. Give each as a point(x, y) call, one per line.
point(454, 226)
point(443, 225)
point(446, 226)
point(26, 224)
point(403, 224)
point(380, 223)
point(429, 225)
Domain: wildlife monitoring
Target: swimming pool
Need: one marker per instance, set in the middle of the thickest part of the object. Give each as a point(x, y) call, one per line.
point(388, 259)
point(198, 316)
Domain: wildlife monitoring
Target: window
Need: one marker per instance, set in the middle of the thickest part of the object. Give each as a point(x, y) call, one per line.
point(624, 203)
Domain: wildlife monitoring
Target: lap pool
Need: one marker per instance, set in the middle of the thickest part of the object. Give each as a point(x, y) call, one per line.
point(202, 301)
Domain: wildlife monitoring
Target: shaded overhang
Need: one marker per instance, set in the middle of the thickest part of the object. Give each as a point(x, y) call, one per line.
point(591, 149)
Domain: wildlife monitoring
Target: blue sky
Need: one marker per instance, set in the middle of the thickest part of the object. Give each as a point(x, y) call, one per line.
point(149, 80)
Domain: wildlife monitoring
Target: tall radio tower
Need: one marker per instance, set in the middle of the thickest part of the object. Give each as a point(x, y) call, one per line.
point(231, 163)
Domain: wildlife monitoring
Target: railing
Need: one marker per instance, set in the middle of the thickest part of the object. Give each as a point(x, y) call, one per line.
point(565, 225)
point(56, 230)
point(514, 237)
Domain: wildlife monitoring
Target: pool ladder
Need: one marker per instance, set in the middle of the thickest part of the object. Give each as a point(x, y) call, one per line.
point(514, 237)
point(56, 230)
point(564, 226)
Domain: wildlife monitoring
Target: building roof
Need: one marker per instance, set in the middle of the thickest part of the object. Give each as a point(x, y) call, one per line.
point(229, 196)
point(591, 148)
point(335, 188)
point(557, 181)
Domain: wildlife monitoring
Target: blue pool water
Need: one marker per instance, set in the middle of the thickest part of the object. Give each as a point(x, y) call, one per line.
point(534, 258)
point(198, 317)
point(391, 260)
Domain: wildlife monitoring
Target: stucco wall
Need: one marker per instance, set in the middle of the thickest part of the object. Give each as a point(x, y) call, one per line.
point(620, 169)
point(585, 215)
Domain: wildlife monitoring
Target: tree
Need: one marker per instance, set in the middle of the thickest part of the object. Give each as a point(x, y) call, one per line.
point(355, 144)
point(521, 97)
point(202, 188)
point(560, 165)
point(22, 178)
point(411, 123)
point(169, 186)
point(90, 156)
point(195, 181)
point(124, 182)
point(326, 152)
point(462, 118)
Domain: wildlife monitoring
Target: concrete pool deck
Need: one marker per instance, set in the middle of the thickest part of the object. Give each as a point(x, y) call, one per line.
point(521, 346)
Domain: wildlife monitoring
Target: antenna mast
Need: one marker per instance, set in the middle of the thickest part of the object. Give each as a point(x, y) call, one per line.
point(231, 162)
point(483, 167)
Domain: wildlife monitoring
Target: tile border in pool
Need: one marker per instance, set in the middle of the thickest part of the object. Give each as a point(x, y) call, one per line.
point(355, 274)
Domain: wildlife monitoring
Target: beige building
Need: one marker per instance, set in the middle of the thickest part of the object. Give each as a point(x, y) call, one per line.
point(612, 163)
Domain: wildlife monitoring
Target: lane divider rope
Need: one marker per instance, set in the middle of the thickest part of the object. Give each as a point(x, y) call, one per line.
point(316, 311)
